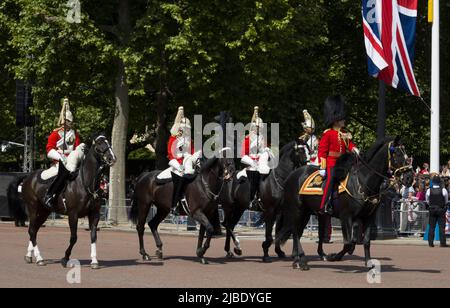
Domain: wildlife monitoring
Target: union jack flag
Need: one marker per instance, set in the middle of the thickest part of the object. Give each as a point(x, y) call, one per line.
point(389, 34)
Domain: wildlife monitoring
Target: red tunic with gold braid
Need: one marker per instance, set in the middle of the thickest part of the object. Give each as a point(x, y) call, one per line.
point(332, 145)
point(55, 142)
point(174, 152)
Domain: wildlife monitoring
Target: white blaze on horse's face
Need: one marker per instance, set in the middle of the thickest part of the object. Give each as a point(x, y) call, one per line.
point(113, 156)
point(108, 155)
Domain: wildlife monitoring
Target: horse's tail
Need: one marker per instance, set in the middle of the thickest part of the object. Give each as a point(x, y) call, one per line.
point(289, 211)
point(216, 222)
point(283, 229)
point(138, 187)
point(134, 212)
point(15, 203)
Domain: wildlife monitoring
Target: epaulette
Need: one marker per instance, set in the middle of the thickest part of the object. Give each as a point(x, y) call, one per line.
point(325, 131)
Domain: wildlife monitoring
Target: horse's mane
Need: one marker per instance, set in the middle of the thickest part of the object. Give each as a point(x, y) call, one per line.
point(347, 160)
point(208, 164)
point(287, 148)
point(343, 166)
point(370, 153)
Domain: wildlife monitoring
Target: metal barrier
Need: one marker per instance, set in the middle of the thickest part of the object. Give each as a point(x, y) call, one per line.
point(410, 217)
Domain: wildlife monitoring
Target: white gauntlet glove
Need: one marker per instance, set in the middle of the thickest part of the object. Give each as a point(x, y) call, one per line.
point(55, 155)
point(323, 172)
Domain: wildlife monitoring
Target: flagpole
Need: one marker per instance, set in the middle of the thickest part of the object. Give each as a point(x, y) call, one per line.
point(381, 117)
point(435, 112)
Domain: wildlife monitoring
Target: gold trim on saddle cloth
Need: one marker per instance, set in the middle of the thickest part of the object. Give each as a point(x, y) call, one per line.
point(314, 182)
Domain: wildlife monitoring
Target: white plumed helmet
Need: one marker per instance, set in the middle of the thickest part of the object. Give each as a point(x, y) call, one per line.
point(68, 114)
point(309, 121)
point(181, 122)
point(257, 122)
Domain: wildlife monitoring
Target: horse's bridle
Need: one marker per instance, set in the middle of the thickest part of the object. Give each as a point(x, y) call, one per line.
point(223, 179)
point(101, 162)
point(102, 153)
point(296, 147)
point(373, 199)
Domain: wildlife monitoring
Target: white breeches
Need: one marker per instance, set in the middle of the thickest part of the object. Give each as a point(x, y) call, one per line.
point(73, 161)
point(261, 165)
point(188, 167)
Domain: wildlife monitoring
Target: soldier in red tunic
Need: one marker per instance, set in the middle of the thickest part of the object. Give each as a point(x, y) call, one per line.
point(63, 147)
point(255, 155)
point(334, 142)
point(182, 157)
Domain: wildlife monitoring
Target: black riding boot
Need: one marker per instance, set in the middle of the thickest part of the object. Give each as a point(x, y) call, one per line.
point(254, 179)
point(329, 203)
point(176, 179)
point(56, 186)
point(185, 180)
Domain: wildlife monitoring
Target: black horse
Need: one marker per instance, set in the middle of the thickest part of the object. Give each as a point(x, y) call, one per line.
point(201, 196)
point(78, 200)
point(355, 208)
point(235, 198)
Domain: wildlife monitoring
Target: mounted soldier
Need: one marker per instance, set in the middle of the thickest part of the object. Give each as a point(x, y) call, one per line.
point(255, 155)
point(66, 151)
point(182, 157)
point(335, 141)
point(309, 138)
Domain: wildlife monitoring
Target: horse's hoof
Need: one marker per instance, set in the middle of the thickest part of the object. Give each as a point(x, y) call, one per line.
point(28, 260)
point(64, 262)
point(159, 254)
point(229, 255)
point(41, 263)
point(304, 267)
point(146, 257)
point(204, 261)
point(301, 265)
point(238, 251)
point(95, 266)
point(323, 256)
point(281, 255)
point(333, 258)
point(200, 253)
point(267, 259)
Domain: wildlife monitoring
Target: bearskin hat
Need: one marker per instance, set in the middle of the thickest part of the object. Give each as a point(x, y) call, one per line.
point(334, 109)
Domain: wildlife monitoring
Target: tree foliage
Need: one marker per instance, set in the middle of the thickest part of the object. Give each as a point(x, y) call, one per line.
point(283, 55)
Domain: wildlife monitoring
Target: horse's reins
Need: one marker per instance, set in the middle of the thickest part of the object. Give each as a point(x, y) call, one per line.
point(94, 193)
point(281, 187)
point(378, 194)
point(208, 189)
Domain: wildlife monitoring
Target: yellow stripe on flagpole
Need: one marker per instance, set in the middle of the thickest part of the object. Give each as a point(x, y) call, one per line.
point(430, 11)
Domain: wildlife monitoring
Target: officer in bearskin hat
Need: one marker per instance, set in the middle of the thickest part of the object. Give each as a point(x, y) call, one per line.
point(335, 141)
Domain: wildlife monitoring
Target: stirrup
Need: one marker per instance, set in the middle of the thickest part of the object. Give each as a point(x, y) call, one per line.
point(48, 202)
point(255, 205)
point(328, 209)
point(176, 210)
